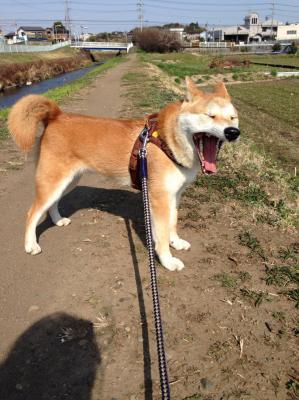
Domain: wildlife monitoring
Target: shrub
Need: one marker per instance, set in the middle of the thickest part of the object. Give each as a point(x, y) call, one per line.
point(157, 40)
point(276, 47)
point(293, 48)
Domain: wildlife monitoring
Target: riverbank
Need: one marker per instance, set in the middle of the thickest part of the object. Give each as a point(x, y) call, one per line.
point(61, 93)
point(17, 70)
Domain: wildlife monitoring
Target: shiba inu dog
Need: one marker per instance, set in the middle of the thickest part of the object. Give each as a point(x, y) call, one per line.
point(193, 130)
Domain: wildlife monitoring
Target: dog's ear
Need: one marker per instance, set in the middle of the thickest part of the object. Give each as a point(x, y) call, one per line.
point(192, 90)
point(220, 89)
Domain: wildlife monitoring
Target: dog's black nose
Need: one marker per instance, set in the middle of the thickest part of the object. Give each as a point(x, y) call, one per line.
point(231, 133)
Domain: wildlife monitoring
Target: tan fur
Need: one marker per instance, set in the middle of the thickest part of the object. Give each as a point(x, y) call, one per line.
point(72, 143)
point(25, 116)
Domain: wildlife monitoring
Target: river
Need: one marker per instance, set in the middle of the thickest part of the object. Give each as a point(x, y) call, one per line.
point(10, 96)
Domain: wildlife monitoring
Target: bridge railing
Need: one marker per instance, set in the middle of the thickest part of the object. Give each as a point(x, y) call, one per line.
point(102, 45)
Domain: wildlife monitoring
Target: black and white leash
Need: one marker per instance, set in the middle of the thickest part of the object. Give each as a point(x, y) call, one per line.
point(165, 389)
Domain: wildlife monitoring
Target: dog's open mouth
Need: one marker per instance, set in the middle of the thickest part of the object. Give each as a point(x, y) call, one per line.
point(207, 148)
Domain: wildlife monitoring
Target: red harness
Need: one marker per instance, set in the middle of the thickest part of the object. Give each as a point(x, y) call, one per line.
point(134, 166)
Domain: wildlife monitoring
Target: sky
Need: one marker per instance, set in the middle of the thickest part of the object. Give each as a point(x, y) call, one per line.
point(122, 15)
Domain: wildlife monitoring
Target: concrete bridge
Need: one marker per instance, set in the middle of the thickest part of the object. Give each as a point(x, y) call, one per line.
point(102, 46)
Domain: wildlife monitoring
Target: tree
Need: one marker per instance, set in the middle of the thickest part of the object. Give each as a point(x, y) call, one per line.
point(157, 40)
point(193, 28)
point(173, 25)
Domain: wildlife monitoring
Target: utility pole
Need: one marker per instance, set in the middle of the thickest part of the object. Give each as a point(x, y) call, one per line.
point(272, 17)
point(67, 18)
point(140, 10)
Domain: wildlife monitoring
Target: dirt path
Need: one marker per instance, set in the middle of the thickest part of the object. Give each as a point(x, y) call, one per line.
point(76, 321)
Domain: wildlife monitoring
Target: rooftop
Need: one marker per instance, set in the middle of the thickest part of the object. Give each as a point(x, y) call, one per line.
point(32, 28)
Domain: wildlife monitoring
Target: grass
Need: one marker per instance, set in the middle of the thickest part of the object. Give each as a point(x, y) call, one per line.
point(231, 281)
point(277, 59)
point(253, 297)
point(272, 125)
point(293, 295)
point(289, 253)
point(218, 350)
point(186, 64)
point(146, 93)
point(61, 93)
point(282, 275)
point(226, 280)
point(238, 187)
point(12, 58)
point(249, 240)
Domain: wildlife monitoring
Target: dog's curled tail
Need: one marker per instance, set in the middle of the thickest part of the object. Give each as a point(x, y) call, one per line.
point(25, 117)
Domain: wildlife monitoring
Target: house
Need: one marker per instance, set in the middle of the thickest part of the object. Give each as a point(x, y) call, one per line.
point(32, 33)
point(253, 30)
point(11, 38)
point(178, 31)
point(288, 32)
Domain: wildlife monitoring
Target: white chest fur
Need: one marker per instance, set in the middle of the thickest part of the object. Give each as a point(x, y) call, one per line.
point(179, 177)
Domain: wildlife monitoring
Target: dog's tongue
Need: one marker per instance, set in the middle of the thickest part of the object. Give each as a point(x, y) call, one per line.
point(210, 153)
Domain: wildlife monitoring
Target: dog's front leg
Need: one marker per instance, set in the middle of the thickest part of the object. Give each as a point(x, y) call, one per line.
point(160, 212)
point(175, 241)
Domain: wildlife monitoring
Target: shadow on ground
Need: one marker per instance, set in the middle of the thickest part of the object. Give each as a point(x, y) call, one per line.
point(128, 205)
point(123, 203)
point(56, 358)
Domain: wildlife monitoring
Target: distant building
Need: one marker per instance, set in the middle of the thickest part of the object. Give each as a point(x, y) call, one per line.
point(253, 30)
point(32, 33)
point(11, 38)
point(178, 31)
point(288, 32)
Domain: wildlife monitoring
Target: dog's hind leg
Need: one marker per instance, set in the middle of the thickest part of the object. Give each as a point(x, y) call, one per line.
point(56, 218)
point(175, 241)
point(49, 189)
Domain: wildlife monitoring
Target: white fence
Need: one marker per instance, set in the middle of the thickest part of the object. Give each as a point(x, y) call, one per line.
point(27, 48)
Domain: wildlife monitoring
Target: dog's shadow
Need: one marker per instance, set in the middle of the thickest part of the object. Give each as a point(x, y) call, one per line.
point(120, 202)
point(128, 205)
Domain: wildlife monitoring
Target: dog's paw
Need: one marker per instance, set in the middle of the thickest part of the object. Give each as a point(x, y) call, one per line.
point(180, 244)
point(33, 249)
point(63, 222)
point(172, 263)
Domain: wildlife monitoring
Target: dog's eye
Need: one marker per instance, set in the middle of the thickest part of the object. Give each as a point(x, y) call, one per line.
point(232, 118)
point(212, 116)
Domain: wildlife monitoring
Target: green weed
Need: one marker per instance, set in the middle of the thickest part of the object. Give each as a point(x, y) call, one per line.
point(279, 316)
point(244, 276)
point(226, 280)
point(218, 350)
point(255, 298)
point(250, 241)
point(282, 275)
point(289, 253)
point(293, 386)
point(293, 295)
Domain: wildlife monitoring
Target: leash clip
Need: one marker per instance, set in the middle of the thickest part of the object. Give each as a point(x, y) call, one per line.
point(144, 136)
